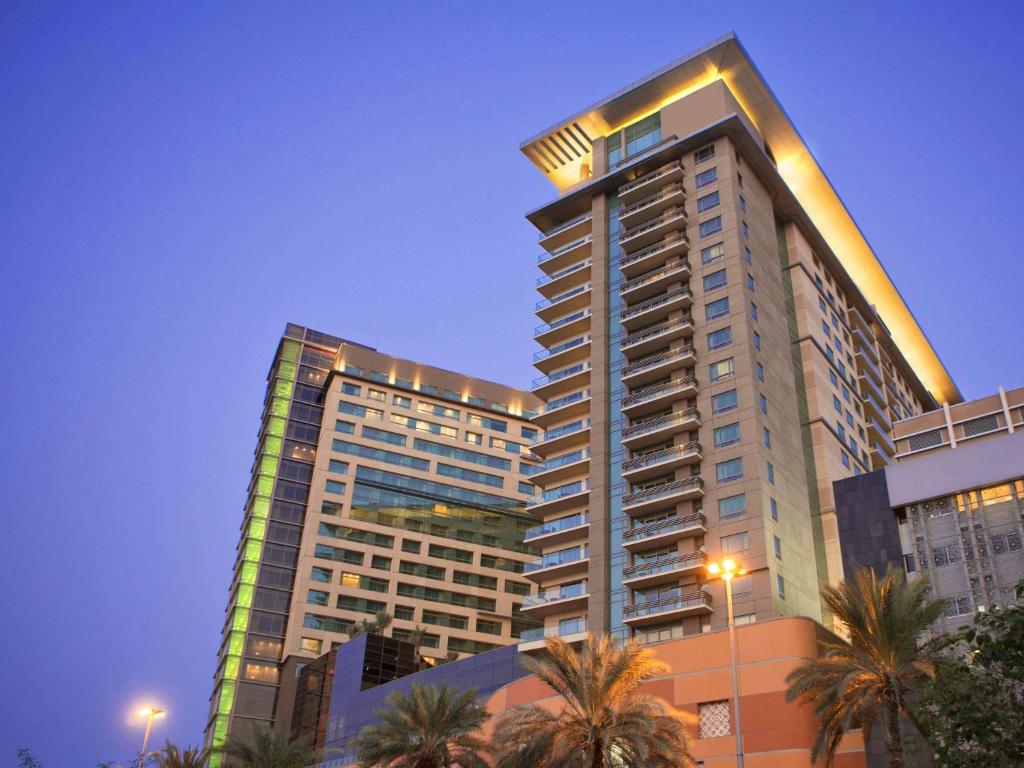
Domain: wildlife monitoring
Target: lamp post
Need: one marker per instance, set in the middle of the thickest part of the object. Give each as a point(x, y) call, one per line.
point(151, 714)
point(727, 571)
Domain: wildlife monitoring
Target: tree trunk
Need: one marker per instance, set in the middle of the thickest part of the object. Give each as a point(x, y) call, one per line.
point(895, 742)
point(598, 760)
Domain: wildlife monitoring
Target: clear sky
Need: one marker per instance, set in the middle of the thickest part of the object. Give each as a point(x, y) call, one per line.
point(178, 180)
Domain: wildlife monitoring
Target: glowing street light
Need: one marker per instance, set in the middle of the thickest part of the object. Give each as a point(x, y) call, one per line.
point(151, 714)
point(727, 570)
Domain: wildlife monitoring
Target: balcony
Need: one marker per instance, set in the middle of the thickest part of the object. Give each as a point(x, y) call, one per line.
point(873, 410)
point(658, 396)
point(561, 467)
point(647, 465)
point(560, 437)
point(663, 496)
point(663, 571)
point(660, 428)
point(567, 378)
point(648, 234)
point(557, 531)
point(644, 185)
point(565, 597)
point(878, 433)
point(664, 532)
point(557, 499)
point(566, 256)
point(865, 342)
point(657, 366)
point(654, 205)
point(858, 321)
point(548, 360)
point(654, 282)
point(653, 256)
point(574, 631)
point(564, 279)
point(566, 232)
point(688, 604)
point(649, 339)
point(563, 328)
point(866, 366)
point(656, 308)
point(575, 404)
point(555, 565)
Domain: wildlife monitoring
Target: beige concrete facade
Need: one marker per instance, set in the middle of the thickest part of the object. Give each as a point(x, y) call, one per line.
point(960, 424)
point(711, 369)
point(379, 484)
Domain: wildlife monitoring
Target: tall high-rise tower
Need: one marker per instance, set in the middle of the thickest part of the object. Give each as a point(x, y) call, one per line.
point(720, 344)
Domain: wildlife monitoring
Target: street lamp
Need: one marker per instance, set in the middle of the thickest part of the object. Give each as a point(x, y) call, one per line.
point(151, 714)
point(727, 571)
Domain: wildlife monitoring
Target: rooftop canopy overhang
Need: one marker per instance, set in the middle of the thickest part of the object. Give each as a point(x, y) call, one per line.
point(561, 150)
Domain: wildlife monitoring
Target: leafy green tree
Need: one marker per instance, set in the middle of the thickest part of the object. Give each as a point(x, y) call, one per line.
point(431, 727)
point(266, 748)
point(173, 757)
point(974, 709)
point(868, 678)
point(605, 722)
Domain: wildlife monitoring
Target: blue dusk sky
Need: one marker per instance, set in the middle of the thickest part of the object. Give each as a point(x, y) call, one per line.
point(179, 180)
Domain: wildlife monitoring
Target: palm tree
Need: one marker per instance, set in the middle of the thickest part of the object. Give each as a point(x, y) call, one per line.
point(431, 727)
point(859, 681)
point(604, 721)
point(172, 757)
point(381, 621)
point(268, 749)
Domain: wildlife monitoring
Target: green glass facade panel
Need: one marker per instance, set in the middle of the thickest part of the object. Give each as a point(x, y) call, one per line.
point(231, 667)
point(268, 466)
point(286, 370)
point(279, 407)
point(276, 425)
point(257, 529)
point(240, 619)
point(272, 446)
point(236, 643)
point(260, 508)
point(248, 575)
point(265, 485)
point(227, 697)
point(283, 388)
point(290, 350)
point(253, 549)
point(244, 595)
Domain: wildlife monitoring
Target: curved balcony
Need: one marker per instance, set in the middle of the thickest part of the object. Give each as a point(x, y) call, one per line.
point(663, 571)
point(635, 264)
point(555, 565)
point(554, 440)
point(563, 353)
point(658, 365)
point(649, 339)
point(574, 404)
point(649, 233)
point(658, 396)
point(656, 308)
point(559, 381)
point(663, 496)
point(660, 428)
point(663, 532)
point(563, 328)
point(561, 467)
point(570, 632)
point(557, 531)
point(566, 255)
point(687, 604)
point(659, 462)
point(563, 497)
point(654, 205)
point(573, 299)
point(652, 283)
point(565, 597)
point(644, 185)
point(566, 232)
point(564, 279)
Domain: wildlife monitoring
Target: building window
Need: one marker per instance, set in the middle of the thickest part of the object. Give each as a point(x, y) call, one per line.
point(401, 401)
point(757, 341)
point(704, 154)
point(706, 177)
point(908, 564)
point(712, 253)
point(728, 471)
point(351, 389)
point(845, 459)
point(746, 255)
point(727, 435)
point(377, 394)
point(717, 309)
point(771, 473)
point(946, 555)
point(750, 281)
point(744, 619)
point(753, 311)
point(643, 134)
point(474, 437)
point(732, 506)
point(333, 486)
point(707, 202)
point(745, 229)
point(715, 280)
point(723, 402)
point(723, 369)
point(743, 203)
point(711, 226)
point(311, 645)
point(720, 338)
point(778, 546)
point(713, 719)
point(774, 507)
point(958, 605)
point(780, 585)
point(764, 404)
point(767, 437)
point(836, 404)
point(760, 373)
point(738, 542)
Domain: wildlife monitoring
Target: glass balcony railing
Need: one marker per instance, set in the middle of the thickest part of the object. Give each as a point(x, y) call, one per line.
point(663, 491)
point(558, 348)
point(653, 276)
point(654, 199)
point(663, 456)
point(673, 524)
point(561, 557)
point(666, 218)
point(563, 249)
point(652, 361)
point(561, 322)
point(679, 602)
point(556, 526)
point(555, 594)
point(559, 375)
point(565, 225)
point(545, 279)
point(569, 627)
point(664, 565)
point(554, 494)
point(657, 301)
point(653, 250)
point(652, 176)
point(660, 422)
point(563, 461)
point(543, 303)
point(565, 429)
point(657, 330)
point(562, 402)
point(658, 390)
